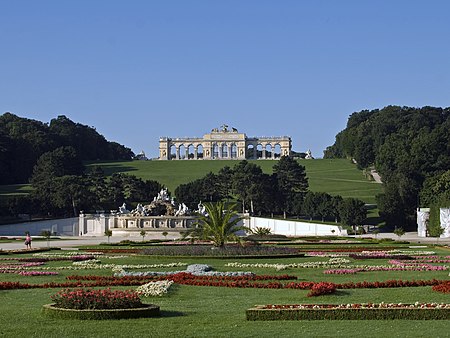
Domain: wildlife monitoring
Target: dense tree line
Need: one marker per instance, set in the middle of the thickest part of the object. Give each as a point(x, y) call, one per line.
point(23, 141)
point(61, 189)
point(409, 147)
point(285, 191)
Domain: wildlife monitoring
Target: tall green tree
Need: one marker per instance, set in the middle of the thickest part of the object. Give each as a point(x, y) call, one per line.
point(291, 179)
point(246, 183)
point(353, 212)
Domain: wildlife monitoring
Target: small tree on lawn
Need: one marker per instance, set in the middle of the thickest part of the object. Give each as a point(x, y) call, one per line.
point(376, 232)
point(108, 233)
point(46, 234)
point(143, 233)
point(399, 232)
point(438, 231)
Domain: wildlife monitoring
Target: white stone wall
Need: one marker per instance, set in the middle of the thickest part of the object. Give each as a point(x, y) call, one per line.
point(60, 227)
point(445, 222)
point(423, 214)
point(295, 228)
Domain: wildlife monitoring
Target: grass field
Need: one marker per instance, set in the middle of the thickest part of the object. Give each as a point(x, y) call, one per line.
point(198, 311)
point(336, 176)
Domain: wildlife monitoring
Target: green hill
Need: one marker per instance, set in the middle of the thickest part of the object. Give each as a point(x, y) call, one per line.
point(334, 176)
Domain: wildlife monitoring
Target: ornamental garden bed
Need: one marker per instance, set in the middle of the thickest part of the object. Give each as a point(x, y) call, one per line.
point(98, 304)
point(431, 311)
point(148, 310)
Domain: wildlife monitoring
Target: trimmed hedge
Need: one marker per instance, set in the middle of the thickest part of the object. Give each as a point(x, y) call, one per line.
point(347, 314)
point(150, 310)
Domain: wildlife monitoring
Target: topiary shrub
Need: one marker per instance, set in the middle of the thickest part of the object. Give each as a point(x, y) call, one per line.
point(98, 304)
point(147, 310)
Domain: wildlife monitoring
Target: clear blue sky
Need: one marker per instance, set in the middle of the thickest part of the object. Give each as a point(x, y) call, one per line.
point(138, 70)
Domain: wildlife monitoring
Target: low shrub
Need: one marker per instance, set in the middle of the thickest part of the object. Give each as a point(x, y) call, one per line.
point(442, 288)
point(147, 310)
point(350, 312)
point(85, 299)
point(322, 288)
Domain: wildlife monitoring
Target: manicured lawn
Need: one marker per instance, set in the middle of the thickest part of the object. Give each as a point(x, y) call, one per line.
point(336, 176)
point(199, 311)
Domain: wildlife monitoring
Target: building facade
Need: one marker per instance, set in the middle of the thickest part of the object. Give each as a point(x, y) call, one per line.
point(224, 144)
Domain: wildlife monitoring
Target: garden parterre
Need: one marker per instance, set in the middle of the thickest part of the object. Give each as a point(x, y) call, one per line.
point(194, 301)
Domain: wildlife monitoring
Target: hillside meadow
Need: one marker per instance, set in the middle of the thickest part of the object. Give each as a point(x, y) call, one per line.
point(334, 176)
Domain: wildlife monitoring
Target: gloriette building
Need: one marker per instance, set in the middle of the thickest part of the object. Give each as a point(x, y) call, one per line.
point(224, 144)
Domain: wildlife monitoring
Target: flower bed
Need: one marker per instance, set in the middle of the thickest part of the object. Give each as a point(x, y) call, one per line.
point(98, 304)
point(442, 288)
point(228, 251)
point(370, 311)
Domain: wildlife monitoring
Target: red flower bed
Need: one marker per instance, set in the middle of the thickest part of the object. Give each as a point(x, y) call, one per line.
point(81, 299)
point(443, 288)
point(219, 281)
point(322, 288)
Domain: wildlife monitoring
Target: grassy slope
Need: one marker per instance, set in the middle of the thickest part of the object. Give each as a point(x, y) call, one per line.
point(337, 176)
point(191, 311)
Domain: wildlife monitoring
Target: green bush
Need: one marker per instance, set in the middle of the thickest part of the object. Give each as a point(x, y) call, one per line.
point(149, 310)
point(347, 314)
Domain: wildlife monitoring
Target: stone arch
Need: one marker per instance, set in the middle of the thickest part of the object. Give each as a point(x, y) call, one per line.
point(259, 151)
point(224, 150)
point(200, 151)
point(277, 151)
point(182, 152)
point(172, 152)
point(233, 150)
point(268, 151)
point(191, 151)
point(215, 150)
point(250, 151)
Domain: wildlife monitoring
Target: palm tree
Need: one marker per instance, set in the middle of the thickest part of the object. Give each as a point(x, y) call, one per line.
point(219, 226)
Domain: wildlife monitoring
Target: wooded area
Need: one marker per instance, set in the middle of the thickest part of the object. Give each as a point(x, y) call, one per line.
point(410, 148)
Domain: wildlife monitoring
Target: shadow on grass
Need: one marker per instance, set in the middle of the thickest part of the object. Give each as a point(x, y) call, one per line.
point(341, 293)
point(172, 314)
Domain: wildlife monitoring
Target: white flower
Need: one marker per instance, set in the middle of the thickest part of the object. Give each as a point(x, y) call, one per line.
point(154, 288)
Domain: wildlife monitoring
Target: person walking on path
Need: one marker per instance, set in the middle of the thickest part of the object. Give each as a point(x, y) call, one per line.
point(28, 241)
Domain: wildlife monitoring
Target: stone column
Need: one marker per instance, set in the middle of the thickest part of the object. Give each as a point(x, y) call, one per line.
point(177, 157)
point(195, 152)
point(186, 156)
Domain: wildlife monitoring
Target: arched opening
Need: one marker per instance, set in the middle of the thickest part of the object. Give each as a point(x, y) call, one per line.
point(199, 151)
point(224, 150)
point(259, 151)
point(277, 151)
point(182, 150)
point(191, 151)
point(250, 151)
point(215, 153)
point(268, 151)
point(233, 150)
point(173, 152)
